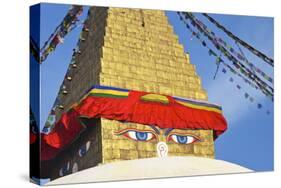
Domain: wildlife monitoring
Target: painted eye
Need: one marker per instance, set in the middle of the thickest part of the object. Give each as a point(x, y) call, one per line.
point(141, 136)
point(183, 139)
point(64, 169)
point(84, 149)
point(138, 135)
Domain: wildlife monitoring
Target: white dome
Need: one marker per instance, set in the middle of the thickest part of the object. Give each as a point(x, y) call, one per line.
point(152, 168)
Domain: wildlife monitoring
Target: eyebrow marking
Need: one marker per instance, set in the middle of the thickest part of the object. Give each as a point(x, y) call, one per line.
point(155, 129)
point(123, 131)
point(168, 131)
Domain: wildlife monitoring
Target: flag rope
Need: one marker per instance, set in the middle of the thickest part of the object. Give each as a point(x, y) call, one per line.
point(268, 90)
point(243, 43)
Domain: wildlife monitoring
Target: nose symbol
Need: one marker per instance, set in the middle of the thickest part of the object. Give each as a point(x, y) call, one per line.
point(162, 149)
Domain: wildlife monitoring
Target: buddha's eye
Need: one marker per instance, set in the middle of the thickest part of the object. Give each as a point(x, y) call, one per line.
point(182, 139)
point(138, 135)
point(64, 169)
point(84, 149)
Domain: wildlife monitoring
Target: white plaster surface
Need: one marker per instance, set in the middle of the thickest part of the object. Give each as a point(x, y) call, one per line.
point(152, 168)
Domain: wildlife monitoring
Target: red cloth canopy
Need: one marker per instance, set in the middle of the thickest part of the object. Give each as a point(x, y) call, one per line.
point(130, 108)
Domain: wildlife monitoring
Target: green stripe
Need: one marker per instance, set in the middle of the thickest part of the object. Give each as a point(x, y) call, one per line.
point(155, 100)
point(107, 95)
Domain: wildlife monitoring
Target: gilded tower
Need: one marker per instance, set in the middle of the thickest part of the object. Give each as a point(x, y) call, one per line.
point(134, 49)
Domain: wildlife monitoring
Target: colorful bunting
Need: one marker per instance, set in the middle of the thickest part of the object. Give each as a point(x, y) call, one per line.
point(49, 123)
point(34, 49)
point(57, 37)
point(265, 88)
point(241, 57)
point(63, 89)
point(247, 96)
point(243, 43)
point(232, 70)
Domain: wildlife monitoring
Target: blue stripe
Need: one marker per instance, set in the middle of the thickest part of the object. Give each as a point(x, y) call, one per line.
point(177, 98)
point(108, 87)
point(198, 103)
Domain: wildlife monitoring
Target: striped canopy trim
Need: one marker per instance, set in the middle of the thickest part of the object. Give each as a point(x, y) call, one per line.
point(113, 92)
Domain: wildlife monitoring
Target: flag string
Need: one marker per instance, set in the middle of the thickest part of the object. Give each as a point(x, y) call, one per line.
point(240, 55)
point(64, 90)
point(243, 43)
point(265, 88)
point(34, 49)
point(232, 70)
point(212, 53)
point(68, 23)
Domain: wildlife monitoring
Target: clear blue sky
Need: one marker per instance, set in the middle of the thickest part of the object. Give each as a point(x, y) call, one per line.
point(249, 138)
